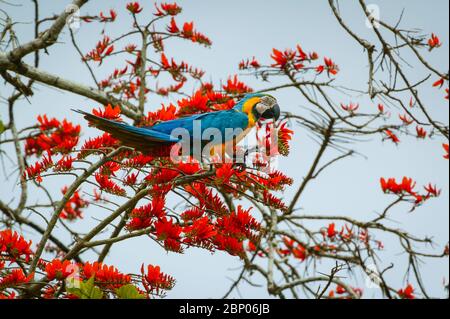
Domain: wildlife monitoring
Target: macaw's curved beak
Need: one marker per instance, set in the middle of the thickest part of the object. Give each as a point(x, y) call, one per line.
point(272, 113)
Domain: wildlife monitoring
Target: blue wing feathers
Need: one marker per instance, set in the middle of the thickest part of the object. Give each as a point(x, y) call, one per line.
point(161, 134)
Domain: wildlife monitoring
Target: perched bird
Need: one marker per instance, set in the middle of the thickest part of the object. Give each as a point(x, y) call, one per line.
point(252, 109)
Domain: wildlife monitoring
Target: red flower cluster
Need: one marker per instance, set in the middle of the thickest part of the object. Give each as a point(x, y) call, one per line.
point(295, 249)
point(14, 278)
point(421, 133)
point(236, 87)
point(14, 246)
point(292, 58)
point(35, 171)
point(105, 141)
point(406, 120)
point(73, 208)
point(169, 232)
point(434, 42)
point(177, 70)
point(110, 112)
point(406, 188)
point(144, 216)
point(166, 9)
point(343, 293)
point(445, 146)
point(204, 101)
point(154, 280)
point(111, 18)
point(407, 293)
point(107, 185)
point(189, 32)
point(351, 108)
point(103, 49)
point(134, 7)
point(329, 66)
point(59, 270)
point(390, 135)
point(247, 64)
point(54, 136)
point(284, 137)
point(105, 276)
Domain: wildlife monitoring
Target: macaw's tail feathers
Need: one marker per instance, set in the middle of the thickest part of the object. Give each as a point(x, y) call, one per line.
point(142, 139)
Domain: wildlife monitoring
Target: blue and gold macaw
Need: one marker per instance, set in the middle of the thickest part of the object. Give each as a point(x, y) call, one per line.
point(252, 109)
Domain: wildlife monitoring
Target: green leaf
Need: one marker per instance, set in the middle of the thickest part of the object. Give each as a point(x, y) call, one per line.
point(129, 292)
point(84, 290)
point(2, 127)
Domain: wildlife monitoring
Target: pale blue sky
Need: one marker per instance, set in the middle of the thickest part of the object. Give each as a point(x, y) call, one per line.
point(246, 28)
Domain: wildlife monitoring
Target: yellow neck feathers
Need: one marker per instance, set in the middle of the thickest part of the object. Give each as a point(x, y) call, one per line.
point(248, 109)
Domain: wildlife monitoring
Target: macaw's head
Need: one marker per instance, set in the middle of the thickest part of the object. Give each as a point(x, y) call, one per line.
point(260, 107)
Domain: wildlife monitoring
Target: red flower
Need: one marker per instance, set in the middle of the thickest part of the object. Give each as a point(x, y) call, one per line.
point(14, 245)
point(406, 120)
point(142, 217)
point(188, 30)
point(406, 186)
point(134, 7)
point(34, 171)
point(439, 83)
point(200, 231)
point(105, 276)
point(55, 136)
point(432, 190)
point(274, 202)
point(198, 103)
point(392, 136)
point(107, 185)
point(110, 112)
point(154, 280)
point(282, 58)
point(297, 250)
point(167, 9)
point(445, 146)
point(131, 179)
point(111, 18)
point(329, 66)
point(139, 161)
point(224, 174)
point(102, 50)
point(277, 181)
point(130, 48)
point(167, 231)
point(235, 87)
point(244, 65)
point(434, 42)
point(190, 168)
point(229, 244)
point(97, 144)
point(15, 278)
point(284, 136)
point(331, 231)
point(421, 133)
point(173, 28)
point(381, 108)
point(46, 124)
point(207, 199)
point(351, 108)
point(73, 208)
point(238, 224)
point(64, 164)
point(59, 270)
point(407, 293)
